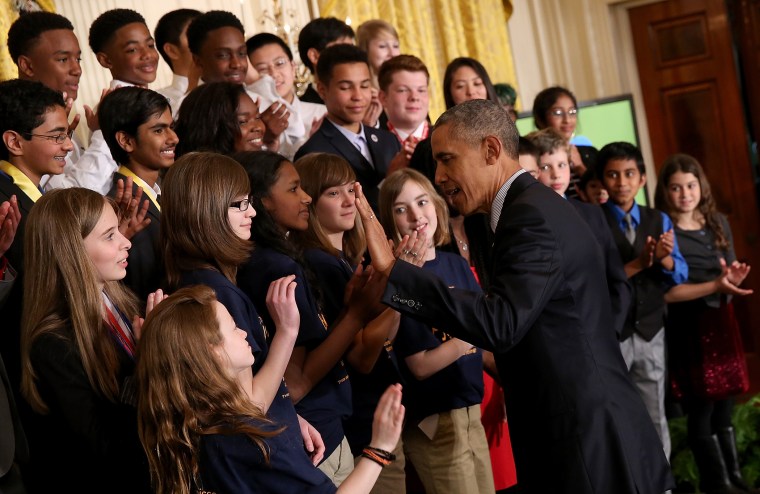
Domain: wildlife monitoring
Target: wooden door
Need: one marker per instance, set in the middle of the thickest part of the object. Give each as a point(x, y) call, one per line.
point(688, 75)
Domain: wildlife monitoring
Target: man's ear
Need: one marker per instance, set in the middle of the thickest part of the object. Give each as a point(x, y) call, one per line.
point(25, 66)
point(103, 60)
point(313, 55)
point(12, 141)
point(643, 179)
point(493, 149)
point(197, 62)
point(126, 141)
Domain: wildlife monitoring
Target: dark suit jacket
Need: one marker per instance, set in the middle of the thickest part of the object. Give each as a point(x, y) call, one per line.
point(383, 146)
point(576, 422)
point(145, 270)
point(617, 281)
point(10, 312)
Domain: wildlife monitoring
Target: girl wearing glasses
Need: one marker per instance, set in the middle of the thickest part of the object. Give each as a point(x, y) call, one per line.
point(557, 107)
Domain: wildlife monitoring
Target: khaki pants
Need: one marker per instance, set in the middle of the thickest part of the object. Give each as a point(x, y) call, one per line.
point(392, 479)
point(456, 460)
point(339, 464)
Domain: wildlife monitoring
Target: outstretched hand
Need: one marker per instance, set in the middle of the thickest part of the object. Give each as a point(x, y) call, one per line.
point(379, 250)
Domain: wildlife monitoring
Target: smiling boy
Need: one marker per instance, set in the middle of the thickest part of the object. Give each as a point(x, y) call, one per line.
point(35, 142)
point(123, 44)
point(653, 263)
point(45, 49)
point(344, 85)
point(137, 125)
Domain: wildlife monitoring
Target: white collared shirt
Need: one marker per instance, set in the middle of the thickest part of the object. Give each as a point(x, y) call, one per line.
point(498, 201)
point(176, 92)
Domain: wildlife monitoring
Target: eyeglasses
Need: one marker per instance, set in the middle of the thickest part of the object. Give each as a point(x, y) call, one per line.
point(59, 138)
point(277, 65)
point(561, 114)
point(242, 205)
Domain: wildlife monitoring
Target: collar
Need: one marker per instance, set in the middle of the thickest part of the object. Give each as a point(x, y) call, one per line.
point(117, 84)
point(180, 82)
point(420, 133)
point(151, 192)
point(21, 181)
point(619, 214)
point(498, 201)
point(355, 139)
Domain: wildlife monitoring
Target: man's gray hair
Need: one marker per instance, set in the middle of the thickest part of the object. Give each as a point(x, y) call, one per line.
point(474, 120)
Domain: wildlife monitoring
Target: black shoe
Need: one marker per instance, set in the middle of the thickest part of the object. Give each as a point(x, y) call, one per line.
point(727, 440)
point(713, 475)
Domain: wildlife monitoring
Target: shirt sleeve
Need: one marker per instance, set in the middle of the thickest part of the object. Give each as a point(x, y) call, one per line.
point(93, 170)
point(680, 271)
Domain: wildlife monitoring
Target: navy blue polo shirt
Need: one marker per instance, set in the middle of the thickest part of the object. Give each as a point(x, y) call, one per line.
point(329, 401)
point(458, 385)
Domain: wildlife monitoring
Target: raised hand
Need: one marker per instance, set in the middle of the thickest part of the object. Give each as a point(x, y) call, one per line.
point(10, 217)
point(92, 116)
point(276, 120)
point(132, 217)
point(664, 245)
point(281, 302)
point(151, 302)
point(389, 417)
point(75, 121)
point(646, 257)
point(412, 249)
point(379, 250)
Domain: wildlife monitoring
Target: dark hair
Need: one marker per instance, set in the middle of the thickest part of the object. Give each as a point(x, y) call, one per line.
point(458, 63)
point(105, 26)
point(263, 39)
point(506, 93)
point(318, 34)
point(169, 29)
point(338, 55)
point(588, 176)
point(206, 119)
point(263, 169)
point(589, 155)
point(526, 146)
point(544, 102)
point(212, 20)
point(23, 105)
point(688, 164)
point(26, 30)
point(124, 110)
point(388, 69)
point(619, 151)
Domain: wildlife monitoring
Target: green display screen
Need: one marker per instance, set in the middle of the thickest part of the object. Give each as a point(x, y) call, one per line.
point(602, 121)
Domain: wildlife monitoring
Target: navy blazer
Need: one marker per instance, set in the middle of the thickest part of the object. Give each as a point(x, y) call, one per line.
point(10, 312)
point(617, 281)
point(383, 146)
point(577, 424)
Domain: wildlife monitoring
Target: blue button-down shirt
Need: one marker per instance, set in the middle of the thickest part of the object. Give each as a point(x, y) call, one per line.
point(680, 271)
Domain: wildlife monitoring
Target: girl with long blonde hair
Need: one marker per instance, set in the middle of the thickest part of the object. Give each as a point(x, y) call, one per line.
point(78, 347)
point(198, 423)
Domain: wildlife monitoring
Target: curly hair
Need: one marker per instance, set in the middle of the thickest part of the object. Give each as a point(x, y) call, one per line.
point(212, 20)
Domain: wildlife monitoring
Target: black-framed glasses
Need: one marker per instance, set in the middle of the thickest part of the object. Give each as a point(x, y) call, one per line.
point(560, 113)
point(58, 138)
point(242, 205)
